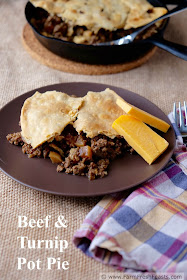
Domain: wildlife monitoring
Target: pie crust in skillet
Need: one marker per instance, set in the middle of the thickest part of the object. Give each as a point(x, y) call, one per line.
point(94, 21)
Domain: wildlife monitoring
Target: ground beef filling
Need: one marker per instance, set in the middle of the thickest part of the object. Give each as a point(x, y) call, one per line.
point(77, 154)
point(54, 26)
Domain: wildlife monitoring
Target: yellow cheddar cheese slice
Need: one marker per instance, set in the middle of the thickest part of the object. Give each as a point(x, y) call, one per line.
point(140, 137)
point(143, 116)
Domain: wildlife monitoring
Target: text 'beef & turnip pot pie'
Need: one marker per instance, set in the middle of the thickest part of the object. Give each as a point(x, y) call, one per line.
point(94, 21)
point(74, 132)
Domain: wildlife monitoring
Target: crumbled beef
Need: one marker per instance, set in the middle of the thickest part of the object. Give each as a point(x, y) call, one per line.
point(15, 138)
point(54, 26)
point(79, 168)
point(93, 171)
point(103, 164)
point(98, 169)
point(60, 167)
point(27, 149)
point(51, 22)
point(80, 155)
point(62, 28)
point(46, 151)
point(99, 147)
point(74, 155)
point(104, 147)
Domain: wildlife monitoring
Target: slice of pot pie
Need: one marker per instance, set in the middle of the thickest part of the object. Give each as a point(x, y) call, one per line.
point(97, 114)
point(93, 21)
point(75, 133)
point(44, 116)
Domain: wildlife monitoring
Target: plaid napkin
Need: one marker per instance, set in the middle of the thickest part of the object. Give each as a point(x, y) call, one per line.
point(145, 230)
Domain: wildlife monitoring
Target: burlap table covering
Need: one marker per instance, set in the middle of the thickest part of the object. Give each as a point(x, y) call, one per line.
point(162, 80)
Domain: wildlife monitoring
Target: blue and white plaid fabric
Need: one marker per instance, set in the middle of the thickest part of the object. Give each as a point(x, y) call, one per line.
point(145, 230)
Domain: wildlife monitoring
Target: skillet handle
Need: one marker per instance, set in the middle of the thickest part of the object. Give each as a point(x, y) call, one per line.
point(173, 48)
point(173, 2)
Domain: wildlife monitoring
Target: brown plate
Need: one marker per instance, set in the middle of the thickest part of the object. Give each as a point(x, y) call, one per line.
point(40, 174)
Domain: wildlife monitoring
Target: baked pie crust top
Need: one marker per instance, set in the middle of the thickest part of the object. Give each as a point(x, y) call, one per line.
point(107, 14)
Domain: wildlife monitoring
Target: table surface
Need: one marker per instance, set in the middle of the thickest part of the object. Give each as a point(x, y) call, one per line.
point(162, 80)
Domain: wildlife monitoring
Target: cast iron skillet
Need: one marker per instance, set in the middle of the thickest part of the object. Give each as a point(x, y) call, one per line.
point(95, 54)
